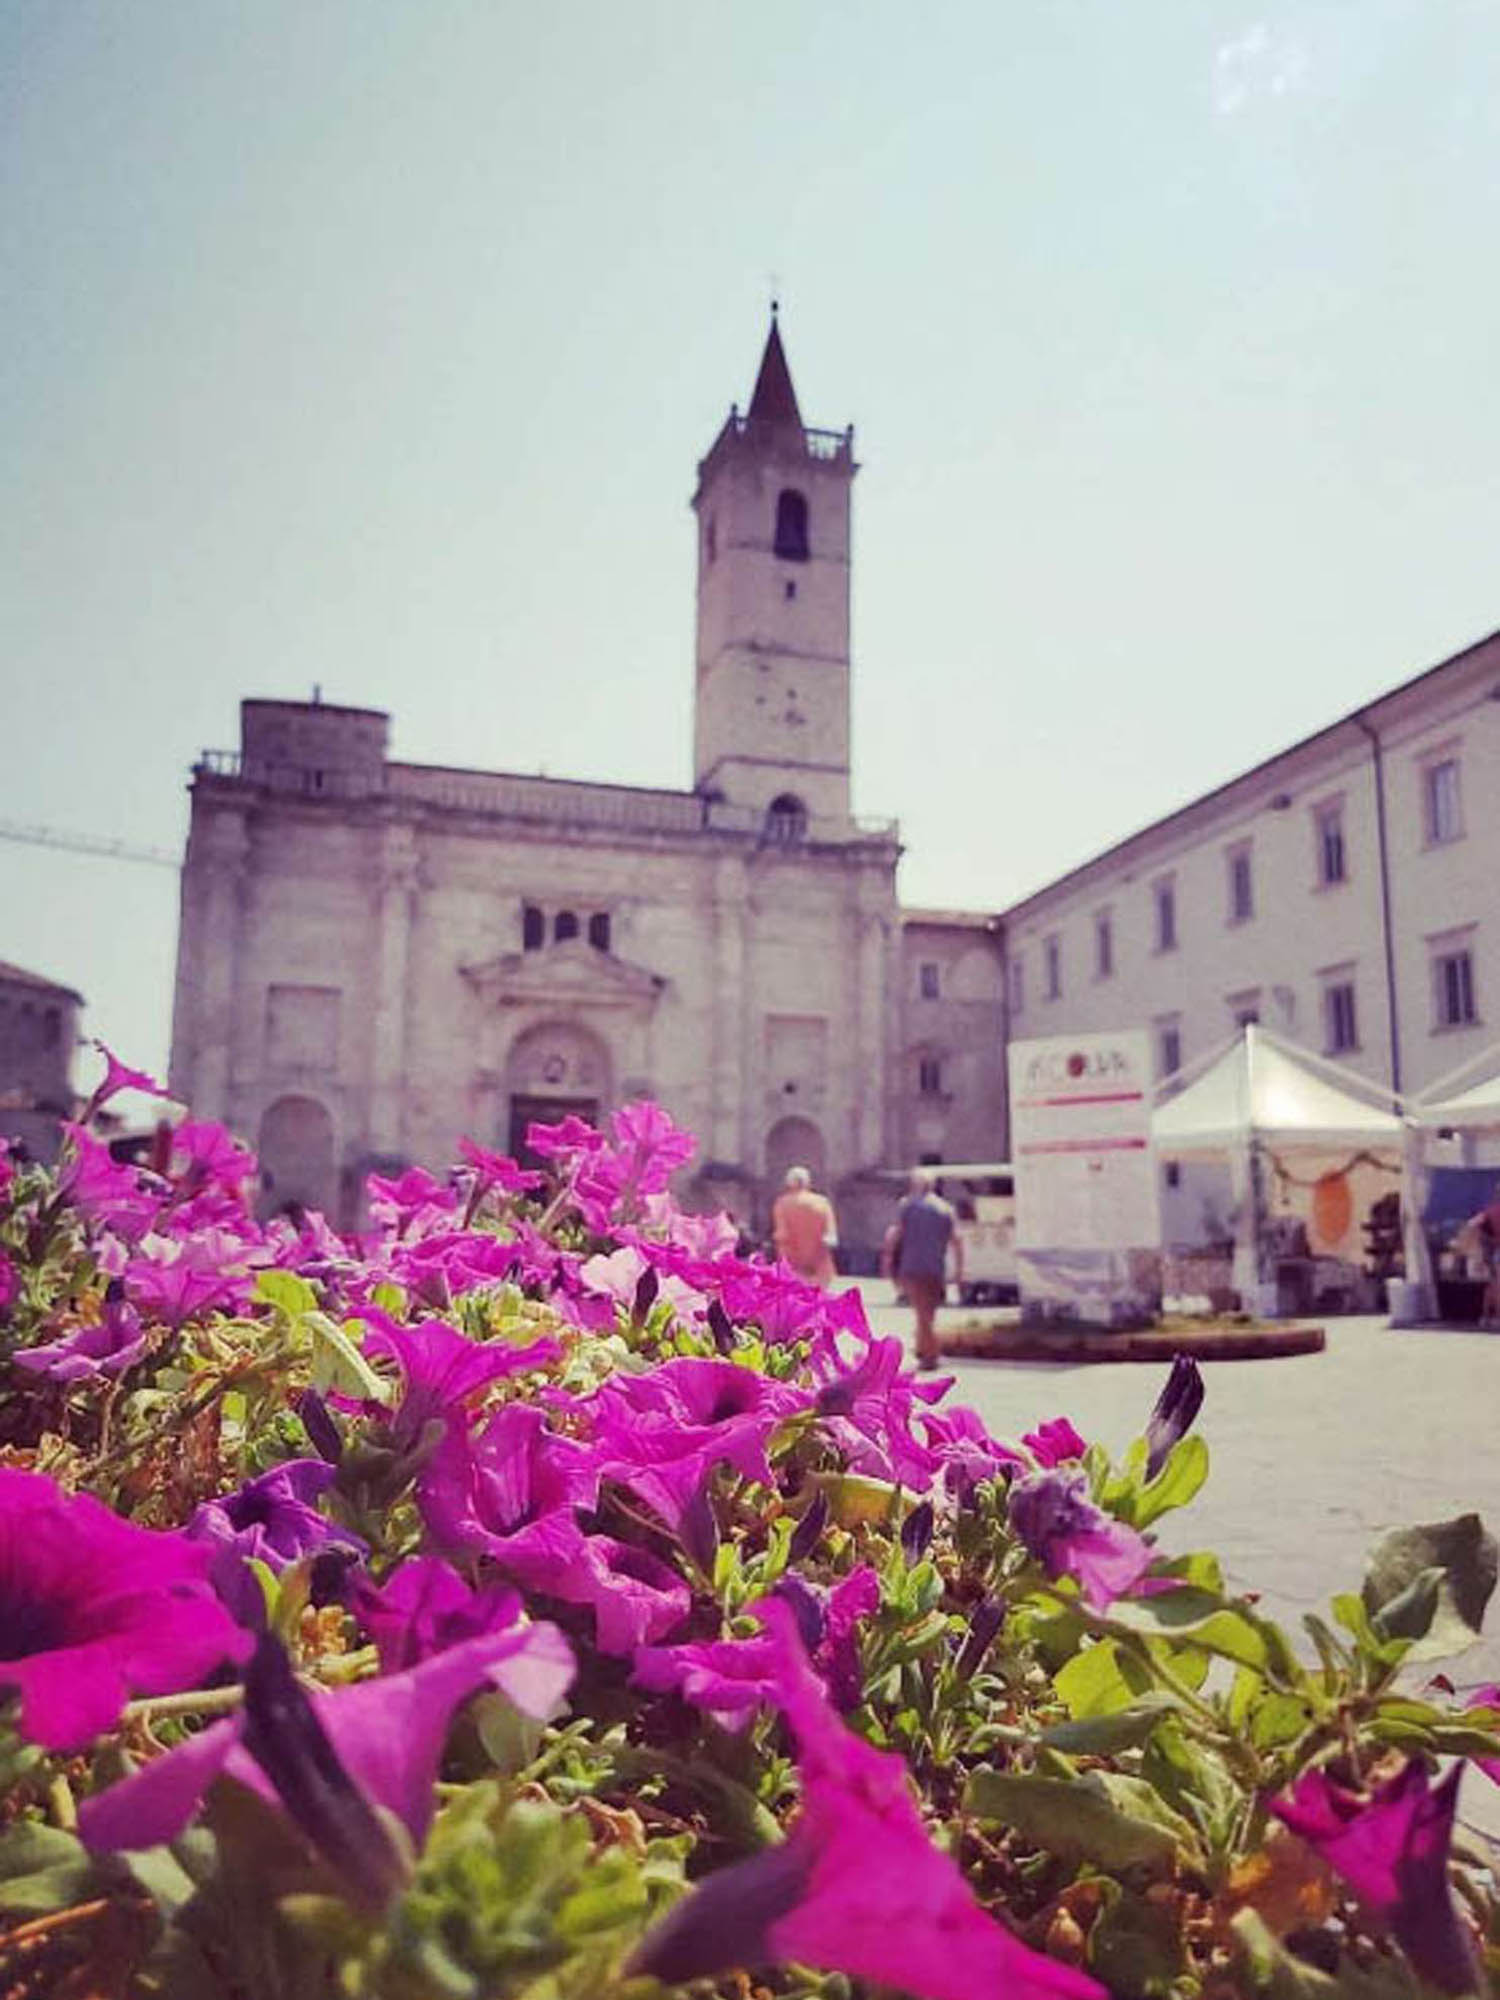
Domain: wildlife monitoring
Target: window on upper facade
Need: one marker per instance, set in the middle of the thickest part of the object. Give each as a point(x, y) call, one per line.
point(51, 1028)
point(1052, 959)
point(786, 818)
point(1168, 1048)
point(930, 1076)
point(533, 927)
point(1340, 1019)
point(710, 541)
point(564, 925)
point(1104, 945)
point(1453, 988)
point(1241, 885)
point(929, 983)
point(791, 525)
point(1443, 808)
point(599, 930)
point(1328, 837)
point(1017, 985)
point(1164, 895)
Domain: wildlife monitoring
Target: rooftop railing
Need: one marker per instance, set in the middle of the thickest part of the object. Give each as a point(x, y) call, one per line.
point(512, 796)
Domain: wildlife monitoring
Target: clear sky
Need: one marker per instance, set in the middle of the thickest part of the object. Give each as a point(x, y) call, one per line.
point(375, 345)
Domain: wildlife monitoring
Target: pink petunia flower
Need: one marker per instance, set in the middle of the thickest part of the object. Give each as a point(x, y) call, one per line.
point(1054, 1442)
point(1392, 1849)
point(104, 1191)
point(1487, 1697)
point(497, 1171)
point(205, 1155)
point(1060, 1525)
point(94, 1610)
point(118, 1077)
point(10, 1284)
point(424, 1607)
point(111, 1346)
point(858, 1887)
point(329, 1759)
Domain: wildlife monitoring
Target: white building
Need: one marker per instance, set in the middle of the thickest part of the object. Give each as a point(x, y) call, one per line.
point(1345, 892)
point(377, 957)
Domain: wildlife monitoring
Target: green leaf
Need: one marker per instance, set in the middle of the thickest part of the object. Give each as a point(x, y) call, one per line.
point(1272, 1971)
point(1177, 1482)
point(856, 1501)
point(1136, 1948)
point(1226, 1628)
point(41, 1868)
point(287, 1292)
point(1110, 1821)
point(1099, 1681)
point(1469, 1564)
point(338, 1364)
point(1101, 1735)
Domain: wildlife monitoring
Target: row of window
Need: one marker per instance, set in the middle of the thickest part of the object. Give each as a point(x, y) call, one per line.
point(565, 924)
point(1442, 823)
point(1451, 970)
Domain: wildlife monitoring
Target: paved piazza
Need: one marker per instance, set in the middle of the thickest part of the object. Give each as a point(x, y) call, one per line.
point(1313, 1457)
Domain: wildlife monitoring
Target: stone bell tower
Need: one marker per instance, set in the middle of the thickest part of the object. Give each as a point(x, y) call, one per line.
point(771, 717)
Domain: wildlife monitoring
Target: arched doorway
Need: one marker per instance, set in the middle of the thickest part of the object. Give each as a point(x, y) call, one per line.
point(794, 1142)
point(553, 1068)
point(296, 1156)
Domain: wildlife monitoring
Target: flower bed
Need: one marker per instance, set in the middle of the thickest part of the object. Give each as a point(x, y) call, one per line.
point(529, 1598)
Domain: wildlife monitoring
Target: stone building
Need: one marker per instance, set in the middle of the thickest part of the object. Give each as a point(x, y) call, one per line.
point(1344, 892)
point(38, 1034)
point(376, 957)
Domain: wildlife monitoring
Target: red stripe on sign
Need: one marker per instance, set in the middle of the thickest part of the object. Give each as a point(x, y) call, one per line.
point(1085, 1146)
point(1104, 1097)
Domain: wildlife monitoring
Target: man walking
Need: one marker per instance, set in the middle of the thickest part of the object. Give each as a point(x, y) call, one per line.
point(805, 1229)
point(926, 1227)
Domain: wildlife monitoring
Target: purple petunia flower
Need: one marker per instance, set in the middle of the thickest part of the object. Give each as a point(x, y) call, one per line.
point(1060, 1525)
point(381, 1740)
point(424, 1607)
point(1392, 1850)
point(108, 1347)
point(176, 1279)
point(1172, 1415)
point(10, 1284)
point(94, 1610)
point(1487, 1697)
point(858, 1887)
point(497, 1171)
point(206, 1156)
point(272, 1520)
point(965, 1450)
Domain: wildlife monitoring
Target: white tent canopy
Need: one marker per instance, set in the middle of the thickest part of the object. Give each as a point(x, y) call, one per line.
point(1261, 1087)
point(1474, 1108)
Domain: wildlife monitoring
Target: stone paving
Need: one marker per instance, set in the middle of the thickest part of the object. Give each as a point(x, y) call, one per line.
point(1313, 1457)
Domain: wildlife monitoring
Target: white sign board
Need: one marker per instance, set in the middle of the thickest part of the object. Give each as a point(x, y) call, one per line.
point(1087, 1226)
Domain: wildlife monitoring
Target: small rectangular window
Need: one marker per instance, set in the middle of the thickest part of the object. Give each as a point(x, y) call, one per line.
point(1444, 814)
point(599, 930)
point(929, 980)
point(1104, 945)
point(1017, 985)
point(1328, 823)
point(1340, 1021)
point(1168, 1048)
point(1453, 989)
point(1053, 950)
point(533, 927)
point(1241, 885)
point(1165, 896)
point(930, 1076)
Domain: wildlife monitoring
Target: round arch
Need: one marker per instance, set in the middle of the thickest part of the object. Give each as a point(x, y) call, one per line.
point(794, 1142)
point(296, 1150)
point(552, 1068)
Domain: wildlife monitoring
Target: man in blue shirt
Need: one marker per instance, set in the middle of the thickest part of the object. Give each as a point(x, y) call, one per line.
point(926, 1229)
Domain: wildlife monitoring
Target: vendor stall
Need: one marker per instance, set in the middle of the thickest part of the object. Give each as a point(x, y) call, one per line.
point(1314, 1154)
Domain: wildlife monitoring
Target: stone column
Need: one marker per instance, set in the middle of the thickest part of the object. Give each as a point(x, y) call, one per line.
point(726, 1139)
point(221, 851)
point(397, 896)
point(871, 996)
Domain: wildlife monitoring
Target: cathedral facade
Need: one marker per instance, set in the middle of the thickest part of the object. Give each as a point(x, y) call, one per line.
point(377, 957)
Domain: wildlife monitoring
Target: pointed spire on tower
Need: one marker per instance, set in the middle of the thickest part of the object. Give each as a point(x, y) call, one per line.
point(774, 400)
